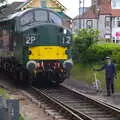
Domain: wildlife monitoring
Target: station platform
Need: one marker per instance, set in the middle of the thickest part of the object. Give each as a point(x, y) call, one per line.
point(81, 86)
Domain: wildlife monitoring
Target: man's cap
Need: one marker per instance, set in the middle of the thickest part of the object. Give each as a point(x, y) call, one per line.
point(107, 58)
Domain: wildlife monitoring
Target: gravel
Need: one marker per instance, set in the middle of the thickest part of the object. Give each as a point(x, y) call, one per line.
point(28, 109)
point(31, 111)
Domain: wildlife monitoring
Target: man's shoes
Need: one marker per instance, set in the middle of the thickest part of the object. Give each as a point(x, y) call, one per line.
point(112, 92)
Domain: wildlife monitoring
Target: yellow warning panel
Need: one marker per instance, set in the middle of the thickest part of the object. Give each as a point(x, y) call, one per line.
point(48, 53)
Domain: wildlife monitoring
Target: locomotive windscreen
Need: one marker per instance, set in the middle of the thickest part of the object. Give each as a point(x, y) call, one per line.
point(36, 16)
point(55, 19)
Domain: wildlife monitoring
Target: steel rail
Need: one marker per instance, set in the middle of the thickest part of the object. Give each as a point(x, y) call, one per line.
point(106, 109)
point(97, 102)
point(64, 109)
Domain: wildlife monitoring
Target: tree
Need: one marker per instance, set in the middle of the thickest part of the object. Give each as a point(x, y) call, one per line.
point(3, 1)
point(3, 4)
point(83, 39)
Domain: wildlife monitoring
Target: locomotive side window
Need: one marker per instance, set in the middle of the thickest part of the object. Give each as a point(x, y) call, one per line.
point(4, 39)
point(1, 40)
point(27, 18)
point(53, 18)
point(41, 16)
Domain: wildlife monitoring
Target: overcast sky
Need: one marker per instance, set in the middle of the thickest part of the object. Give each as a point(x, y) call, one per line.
point(71, 5)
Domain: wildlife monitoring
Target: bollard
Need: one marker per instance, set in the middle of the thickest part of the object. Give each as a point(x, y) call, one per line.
point(13, 108)
point(4, 113)
point(9, 109)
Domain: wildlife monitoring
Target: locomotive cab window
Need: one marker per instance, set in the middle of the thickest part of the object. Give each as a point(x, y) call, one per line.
point(41, 16)
point(53, 18)
point(27, 19)
point(1, 40)
point(4, 39)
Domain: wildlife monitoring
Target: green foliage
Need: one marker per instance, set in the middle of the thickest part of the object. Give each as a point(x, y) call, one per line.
point(86, 73)
point(82, 72)
point(116, 57)
point(97, 52)
point(4, 93)
point(21, 118)
point(83, 39)
point(90, 54)
point(2, 1)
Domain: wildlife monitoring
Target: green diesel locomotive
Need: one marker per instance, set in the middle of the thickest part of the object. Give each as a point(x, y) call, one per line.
point(34, 46)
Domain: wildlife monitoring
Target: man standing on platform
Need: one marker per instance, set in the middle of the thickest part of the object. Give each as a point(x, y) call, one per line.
point(110, 73)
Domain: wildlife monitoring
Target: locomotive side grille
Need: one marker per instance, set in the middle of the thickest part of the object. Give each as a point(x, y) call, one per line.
point(48, 53)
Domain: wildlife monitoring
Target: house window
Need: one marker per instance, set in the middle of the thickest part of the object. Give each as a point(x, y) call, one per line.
point(118, 24)
point(113, 22)
point(43, 3)
point(107, 21)
point(114, 4)
point(89, 24)
point(78, 24)
point(117, 21)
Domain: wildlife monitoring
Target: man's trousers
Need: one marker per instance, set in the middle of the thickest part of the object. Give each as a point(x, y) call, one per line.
point(110, 85)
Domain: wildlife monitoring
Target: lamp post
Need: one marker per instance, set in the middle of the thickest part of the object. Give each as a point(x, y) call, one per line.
point(79, 13)
point(83, 13)
point(111, 27)
point(97, 13)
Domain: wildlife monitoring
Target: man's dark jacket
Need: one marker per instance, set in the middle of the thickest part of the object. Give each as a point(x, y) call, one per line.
point(110, 71)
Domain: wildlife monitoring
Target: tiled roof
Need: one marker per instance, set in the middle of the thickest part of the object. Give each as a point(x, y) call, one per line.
point(115, 12)
point(9, 9)
point(105, 9)
point(89, 14)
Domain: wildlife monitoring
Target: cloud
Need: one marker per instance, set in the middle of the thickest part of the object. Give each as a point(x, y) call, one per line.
point(73, 6)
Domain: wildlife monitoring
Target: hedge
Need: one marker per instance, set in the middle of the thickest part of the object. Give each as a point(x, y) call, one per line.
point(96, 53)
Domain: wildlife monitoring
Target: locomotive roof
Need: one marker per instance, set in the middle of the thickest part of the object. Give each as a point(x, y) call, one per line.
point(20, 13)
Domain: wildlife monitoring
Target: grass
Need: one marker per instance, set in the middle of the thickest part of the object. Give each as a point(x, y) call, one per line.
point(4, 93)
point(21, 118)
point(86, 73)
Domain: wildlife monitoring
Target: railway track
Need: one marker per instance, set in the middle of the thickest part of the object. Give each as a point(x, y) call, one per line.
point(76, 106)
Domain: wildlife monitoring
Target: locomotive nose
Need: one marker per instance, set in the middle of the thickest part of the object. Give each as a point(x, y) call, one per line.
point(31, 66)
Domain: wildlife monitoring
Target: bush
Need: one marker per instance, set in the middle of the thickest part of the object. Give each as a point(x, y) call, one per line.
point(82, 40)
point(96, 53)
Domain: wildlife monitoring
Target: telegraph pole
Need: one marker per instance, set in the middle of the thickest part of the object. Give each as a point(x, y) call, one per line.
point(79, 13)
